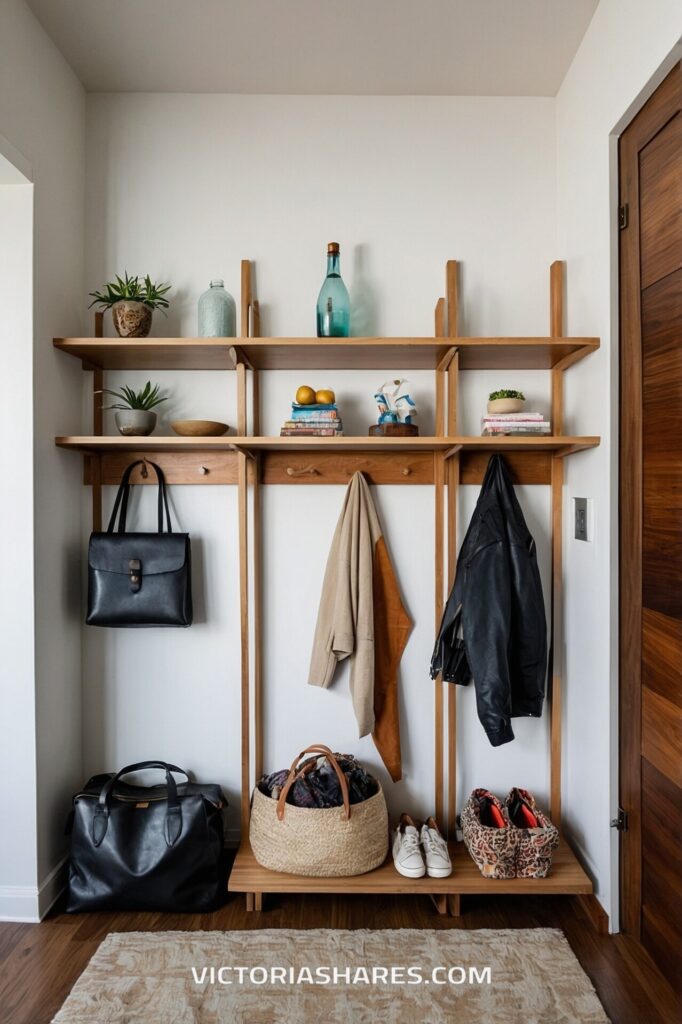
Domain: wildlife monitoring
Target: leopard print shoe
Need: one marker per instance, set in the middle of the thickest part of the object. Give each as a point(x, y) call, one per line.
point(489, 836)
point(537, 836)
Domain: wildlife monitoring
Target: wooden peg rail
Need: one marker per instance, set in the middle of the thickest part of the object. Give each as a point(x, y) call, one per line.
point(444, 462)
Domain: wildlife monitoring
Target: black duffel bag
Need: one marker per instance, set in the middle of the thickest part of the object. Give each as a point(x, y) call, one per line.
point(139, 579)
point(147, 847)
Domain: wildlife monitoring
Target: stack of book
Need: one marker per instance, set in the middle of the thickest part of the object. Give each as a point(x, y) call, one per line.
point(313, 421)
point(515, 423)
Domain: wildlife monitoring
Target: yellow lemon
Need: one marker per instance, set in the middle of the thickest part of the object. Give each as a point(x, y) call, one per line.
point(305, 395)
point(325, 397)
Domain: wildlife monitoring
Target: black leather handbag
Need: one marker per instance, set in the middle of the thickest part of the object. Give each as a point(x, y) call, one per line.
point(139, 579)
point(158, 848)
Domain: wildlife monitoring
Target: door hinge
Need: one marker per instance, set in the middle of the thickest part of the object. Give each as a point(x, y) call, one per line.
point(623, 216)
point(620, 823)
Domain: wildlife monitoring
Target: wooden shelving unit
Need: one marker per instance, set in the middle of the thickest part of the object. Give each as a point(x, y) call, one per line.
point(559, 446)
point(444, 461)
point(319, 354)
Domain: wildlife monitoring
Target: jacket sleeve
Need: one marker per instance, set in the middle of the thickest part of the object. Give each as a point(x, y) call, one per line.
point(486, 619)
point(335, 632)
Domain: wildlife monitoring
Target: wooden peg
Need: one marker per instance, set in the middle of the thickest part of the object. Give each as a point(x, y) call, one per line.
point(306, 471)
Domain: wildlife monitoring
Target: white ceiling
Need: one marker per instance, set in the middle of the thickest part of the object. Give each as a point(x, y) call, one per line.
point(390, 47)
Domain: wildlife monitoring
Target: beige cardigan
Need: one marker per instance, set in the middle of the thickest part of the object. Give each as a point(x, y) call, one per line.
point(345, 622)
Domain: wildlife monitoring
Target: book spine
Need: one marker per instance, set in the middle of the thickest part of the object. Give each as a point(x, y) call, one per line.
point(309, 432)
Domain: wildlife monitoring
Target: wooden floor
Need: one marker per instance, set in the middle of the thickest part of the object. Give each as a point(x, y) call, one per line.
point(40, 963)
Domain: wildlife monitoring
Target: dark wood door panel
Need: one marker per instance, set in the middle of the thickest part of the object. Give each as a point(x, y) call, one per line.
point(662, 734)
point(661, 306)
point(650, 711)
point(662, 871)
point(662, 367)
point(662, 655)
point(660, 186)
point(662, 558)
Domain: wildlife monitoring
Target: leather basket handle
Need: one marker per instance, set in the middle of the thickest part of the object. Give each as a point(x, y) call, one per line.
point(316, 748)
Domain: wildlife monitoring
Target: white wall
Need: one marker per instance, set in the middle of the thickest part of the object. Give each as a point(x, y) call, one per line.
point(185, 186)
point(625, 53)
point(42, 116)
point(18, 851)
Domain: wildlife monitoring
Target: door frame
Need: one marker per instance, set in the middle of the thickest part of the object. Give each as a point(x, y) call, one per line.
point(653, 116)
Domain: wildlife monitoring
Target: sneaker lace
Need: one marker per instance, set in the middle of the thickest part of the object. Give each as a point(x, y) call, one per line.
point(410, 842)
point(434, 843)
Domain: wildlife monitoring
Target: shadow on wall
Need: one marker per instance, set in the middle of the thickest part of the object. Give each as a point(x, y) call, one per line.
point(363, 297)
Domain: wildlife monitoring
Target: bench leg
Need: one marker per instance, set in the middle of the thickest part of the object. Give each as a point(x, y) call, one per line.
point(439, 901)
point(454, 905)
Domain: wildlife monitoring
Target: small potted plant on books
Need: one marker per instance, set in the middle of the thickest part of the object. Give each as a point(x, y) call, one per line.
point(132, 303)
point(135, 417)
point(506, 400)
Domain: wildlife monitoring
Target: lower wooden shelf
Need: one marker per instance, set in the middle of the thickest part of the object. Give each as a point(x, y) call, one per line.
point(566, 877)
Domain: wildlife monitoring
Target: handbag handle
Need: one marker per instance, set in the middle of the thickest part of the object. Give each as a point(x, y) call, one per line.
point(317, 748)
point(122, 499)
point(173, 823)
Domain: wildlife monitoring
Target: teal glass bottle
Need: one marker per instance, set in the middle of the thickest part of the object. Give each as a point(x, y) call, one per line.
point(333, 304)
point(217, 313)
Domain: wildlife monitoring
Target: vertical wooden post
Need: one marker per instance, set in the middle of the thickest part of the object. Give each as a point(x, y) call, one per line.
point(257, 616)
point(255, 379)
point(556, 286)
point(242, 487)
point(439, 489)
point(241, 399)
point(453, 485)
point(98, 430)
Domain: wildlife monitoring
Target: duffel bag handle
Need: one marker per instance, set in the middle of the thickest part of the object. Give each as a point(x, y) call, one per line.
point(173, 824)
point(317, 748)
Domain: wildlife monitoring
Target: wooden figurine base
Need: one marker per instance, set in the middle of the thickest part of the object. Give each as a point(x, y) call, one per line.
point(394, 430)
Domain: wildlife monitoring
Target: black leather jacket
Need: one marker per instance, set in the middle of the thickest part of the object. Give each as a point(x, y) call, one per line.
point(494, 626)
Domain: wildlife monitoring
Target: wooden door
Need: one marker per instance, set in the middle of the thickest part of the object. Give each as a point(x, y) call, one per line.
point(650, 156)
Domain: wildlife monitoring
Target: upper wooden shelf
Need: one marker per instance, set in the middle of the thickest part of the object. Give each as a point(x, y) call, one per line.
point(316, 353)
point(159, 443)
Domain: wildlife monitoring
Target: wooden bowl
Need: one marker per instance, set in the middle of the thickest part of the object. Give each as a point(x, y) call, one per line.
point(199, 428)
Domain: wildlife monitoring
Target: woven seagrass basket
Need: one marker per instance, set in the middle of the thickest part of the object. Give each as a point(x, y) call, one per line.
point(320, 842)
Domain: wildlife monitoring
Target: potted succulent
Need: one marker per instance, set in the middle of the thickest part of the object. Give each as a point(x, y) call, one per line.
point(505, 400)
point(135, 417)
point(132, 303)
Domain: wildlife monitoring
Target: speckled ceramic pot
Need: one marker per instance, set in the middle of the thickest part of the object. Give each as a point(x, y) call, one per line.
point(131, 319)
point(135, 422)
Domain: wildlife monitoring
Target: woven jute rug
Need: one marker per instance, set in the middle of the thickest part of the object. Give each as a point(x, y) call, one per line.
point(404, 976)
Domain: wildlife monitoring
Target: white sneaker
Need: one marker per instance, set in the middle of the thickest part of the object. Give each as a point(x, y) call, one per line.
point(438, 863)
point(407, 855)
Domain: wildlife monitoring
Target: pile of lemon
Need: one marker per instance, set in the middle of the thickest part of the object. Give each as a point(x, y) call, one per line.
point(309, 396)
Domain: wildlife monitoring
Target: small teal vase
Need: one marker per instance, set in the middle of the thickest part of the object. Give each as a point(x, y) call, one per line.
point(217, 313)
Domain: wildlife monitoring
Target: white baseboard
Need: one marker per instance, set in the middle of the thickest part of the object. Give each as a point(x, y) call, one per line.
point(27, 904)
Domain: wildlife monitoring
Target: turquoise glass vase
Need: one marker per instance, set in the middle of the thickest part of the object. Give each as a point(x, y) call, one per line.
point(217, 313)
point(333, 304)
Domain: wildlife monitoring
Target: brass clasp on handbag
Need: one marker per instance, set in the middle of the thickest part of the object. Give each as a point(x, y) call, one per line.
point(135, 577)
